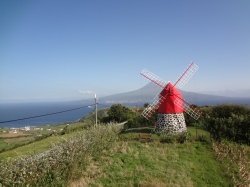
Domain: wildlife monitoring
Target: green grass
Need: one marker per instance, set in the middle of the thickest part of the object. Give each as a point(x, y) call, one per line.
point(32, 148)
point(135, 163)
point(3, 144)
point(132, 162)
point(64, 162)
point(43, 145)
point(133, 134)
point(155, 164)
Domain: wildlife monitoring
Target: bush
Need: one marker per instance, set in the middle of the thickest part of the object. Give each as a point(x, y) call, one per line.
point(231, 122)
point(62, 163)
point(165, 137)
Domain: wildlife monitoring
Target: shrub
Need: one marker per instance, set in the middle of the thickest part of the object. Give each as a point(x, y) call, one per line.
point(236, 158)
point(165, 137)
point(231, 122)
point(63, 162)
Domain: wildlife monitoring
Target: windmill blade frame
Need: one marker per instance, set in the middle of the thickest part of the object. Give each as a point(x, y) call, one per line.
point(186, 75)
point(149, 110)
point(189, 109)
point(181, 81)
point(154, 78)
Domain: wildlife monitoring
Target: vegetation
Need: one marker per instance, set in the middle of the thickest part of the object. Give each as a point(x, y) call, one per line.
point(237, 160)
point(11, 141)
point(226, 121)
point(155, 164)
point(214, 152)
point(119, 113)
point(90, 117)
point(22, 137)
point(231, 122)
point(62, 163)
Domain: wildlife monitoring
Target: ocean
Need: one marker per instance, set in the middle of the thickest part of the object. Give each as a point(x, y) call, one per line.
point(13, 111)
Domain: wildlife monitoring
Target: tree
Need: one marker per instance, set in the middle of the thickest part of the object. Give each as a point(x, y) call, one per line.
point(231, 122)
point(119, 113)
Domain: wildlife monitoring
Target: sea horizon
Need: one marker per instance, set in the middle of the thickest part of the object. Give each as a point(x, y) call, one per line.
point(14, 111)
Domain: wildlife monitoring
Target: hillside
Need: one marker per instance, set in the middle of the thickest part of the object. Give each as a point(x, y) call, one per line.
point(153, 164)
point(91, 116)
point(105, 155)
point(104, 160)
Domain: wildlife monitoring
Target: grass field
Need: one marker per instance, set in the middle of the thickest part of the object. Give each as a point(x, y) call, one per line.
point(155, 164)
point(33, 148)
point(43, 145)
point(9, 141)
point(133, 134)
point(147, 163)
point(18, 139)
point(14, 135)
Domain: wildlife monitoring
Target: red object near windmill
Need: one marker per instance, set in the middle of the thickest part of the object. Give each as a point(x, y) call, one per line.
point(169, 102)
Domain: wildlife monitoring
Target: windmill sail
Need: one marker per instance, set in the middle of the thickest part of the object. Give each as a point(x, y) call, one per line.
point(194, 113)
point(149, 110)
point(188, 73)
point(178, 101)
point(154, 78)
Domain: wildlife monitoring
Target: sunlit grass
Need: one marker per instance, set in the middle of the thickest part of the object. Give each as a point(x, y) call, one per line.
point(63, 162)
point(32, 148)
point(21, 139)
point(135, 162)
point(155, 164)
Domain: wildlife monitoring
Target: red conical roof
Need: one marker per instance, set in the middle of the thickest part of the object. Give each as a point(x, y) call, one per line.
point(171, 94)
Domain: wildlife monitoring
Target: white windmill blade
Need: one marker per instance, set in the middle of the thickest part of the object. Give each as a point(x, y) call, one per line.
point(188, 73)
point(194, 113)
point(154, 78)
point(149, 110)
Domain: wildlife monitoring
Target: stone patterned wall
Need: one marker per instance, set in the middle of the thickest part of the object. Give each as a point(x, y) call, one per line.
point(172, 123)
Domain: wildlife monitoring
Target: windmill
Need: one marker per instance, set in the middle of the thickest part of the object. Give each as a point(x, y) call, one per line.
point(169, 102)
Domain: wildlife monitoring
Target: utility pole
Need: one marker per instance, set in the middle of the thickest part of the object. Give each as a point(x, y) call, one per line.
point(95, 110)
point(196, 129)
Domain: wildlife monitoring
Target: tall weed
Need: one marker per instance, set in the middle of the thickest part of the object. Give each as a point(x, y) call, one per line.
point(237, 159)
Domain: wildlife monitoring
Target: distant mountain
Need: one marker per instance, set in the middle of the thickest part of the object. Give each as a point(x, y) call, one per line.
point(147, 93)
point(230, 93)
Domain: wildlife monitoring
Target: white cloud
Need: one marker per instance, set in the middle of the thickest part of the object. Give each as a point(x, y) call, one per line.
point(88, 92)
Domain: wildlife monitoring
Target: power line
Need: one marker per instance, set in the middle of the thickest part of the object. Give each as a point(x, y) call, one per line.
point(38, 116)
point(103, 105)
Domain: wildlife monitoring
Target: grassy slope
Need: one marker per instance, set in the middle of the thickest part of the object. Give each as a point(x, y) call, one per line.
point(154, 164)
point(36, 146)
point(140, 163)
point(102, 112)
point(32, 148)
point(9, 141)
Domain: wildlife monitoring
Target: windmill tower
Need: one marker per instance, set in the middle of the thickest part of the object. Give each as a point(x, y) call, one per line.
point(169, 102)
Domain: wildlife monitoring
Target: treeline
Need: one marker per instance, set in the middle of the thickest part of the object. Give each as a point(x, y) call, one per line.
point(225, 121)
point(119, 113)
point(231, 122)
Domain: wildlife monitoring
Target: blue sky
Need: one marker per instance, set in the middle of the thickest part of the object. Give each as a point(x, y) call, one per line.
point(67, 50)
